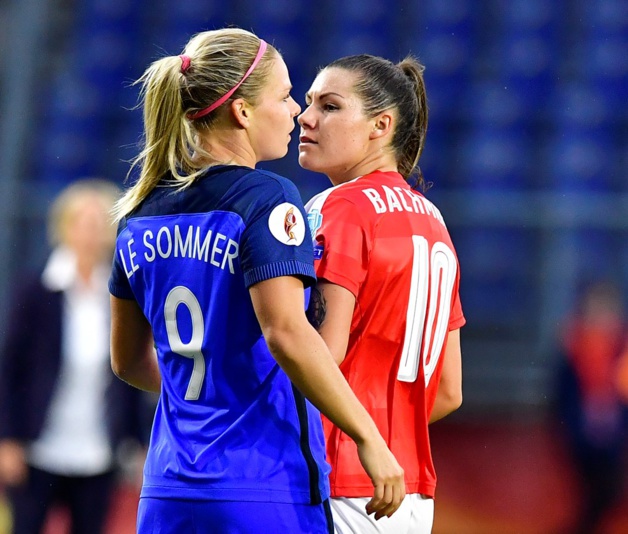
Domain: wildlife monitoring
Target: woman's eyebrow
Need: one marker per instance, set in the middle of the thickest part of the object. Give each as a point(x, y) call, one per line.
point(308, 95)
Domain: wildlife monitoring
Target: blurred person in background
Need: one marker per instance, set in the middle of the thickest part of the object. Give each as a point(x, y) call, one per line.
point(621, 380)
point(387, 301)
point(62, 411)
point(592, 405)
point(213, 257)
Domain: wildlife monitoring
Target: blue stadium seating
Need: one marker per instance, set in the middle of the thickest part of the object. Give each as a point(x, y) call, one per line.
point(530, 95)
point(579, 160)
point(491, 157)
point(495, 264)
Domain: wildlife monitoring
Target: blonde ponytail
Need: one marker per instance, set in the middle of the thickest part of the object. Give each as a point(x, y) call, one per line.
point(167, 134)
point(172, 91)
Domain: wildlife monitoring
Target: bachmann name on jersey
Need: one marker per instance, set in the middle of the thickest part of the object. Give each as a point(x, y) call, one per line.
point(400, 199)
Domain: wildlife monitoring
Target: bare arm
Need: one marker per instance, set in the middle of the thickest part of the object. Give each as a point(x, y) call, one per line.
point(449, 393)
point(334, 324)
point(133, 357)
point(303, 355)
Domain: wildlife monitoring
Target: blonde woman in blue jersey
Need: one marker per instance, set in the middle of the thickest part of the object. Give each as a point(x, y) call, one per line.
point(213, 258)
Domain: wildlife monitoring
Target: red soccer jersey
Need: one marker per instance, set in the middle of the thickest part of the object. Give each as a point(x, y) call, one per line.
point(389, 246)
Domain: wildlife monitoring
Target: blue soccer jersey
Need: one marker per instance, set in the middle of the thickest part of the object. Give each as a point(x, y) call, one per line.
point(229, 425)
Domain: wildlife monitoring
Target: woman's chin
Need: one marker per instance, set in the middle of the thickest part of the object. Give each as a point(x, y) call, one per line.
point(307, 163)
point(278, 154)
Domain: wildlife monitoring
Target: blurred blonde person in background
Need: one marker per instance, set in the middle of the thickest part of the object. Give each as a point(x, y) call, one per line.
point(61, 410)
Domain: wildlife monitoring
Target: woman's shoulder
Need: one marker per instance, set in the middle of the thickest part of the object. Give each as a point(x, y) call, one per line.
point(265, 178)
point(260, 191)
point(267, 186)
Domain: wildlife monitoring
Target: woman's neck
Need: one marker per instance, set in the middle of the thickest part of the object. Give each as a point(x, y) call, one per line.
point(228, 147)
point(379, 161)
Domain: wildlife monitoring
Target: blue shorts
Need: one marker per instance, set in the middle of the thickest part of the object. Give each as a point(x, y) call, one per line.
point(170, 516)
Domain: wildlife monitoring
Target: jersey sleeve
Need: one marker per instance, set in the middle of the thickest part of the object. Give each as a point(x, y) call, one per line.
point(118, 281)
point(342, 244)
point(276, 240)
point(456, 317)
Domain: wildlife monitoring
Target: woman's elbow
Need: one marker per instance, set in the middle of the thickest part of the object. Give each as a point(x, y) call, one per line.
point(117, 369)
point(278, 342)
point(451, 399)
point(456, 402)
point(118, 366)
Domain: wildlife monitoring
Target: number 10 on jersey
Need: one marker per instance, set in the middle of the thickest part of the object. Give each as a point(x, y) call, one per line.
point(429, 304)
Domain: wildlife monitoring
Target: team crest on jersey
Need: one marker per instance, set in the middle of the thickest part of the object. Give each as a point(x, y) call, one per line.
point(287, 225)
point(315, 220)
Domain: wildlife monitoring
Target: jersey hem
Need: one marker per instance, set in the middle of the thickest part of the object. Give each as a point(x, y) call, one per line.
point(120, 292)
point(339, 280)
point(275, 270)
point(457, 323)
point(428, 490)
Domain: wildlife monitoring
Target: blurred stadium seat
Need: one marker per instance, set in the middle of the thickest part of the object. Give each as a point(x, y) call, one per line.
point(578, 159)
point(493, 157)
point(496, 264)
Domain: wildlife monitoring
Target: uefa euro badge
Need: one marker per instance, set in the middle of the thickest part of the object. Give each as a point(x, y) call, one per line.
point(287, 225)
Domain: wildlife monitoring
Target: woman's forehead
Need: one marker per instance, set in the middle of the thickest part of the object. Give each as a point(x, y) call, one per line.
point(334, 80)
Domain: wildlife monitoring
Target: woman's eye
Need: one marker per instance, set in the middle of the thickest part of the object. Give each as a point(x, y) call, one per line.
point(330, 107)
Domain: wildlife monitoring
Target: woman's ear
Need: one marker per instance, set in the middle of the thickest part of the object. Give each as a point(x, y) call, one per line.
point(382, 125)
point(241, 112)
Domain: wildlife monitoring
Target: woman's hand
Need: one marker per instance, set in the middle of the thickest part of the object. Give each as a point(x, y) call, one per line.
point(387, 477)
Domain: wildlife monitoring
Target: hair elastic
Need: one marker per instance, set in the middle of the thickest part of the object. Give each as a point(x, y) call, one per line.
point(186, 61)
point(223, 99)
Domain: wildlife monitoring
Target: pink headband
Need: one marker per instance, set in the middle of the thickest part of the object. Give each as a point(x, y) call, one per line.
point(223, 99)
